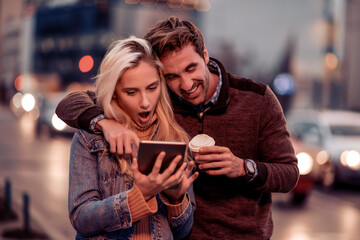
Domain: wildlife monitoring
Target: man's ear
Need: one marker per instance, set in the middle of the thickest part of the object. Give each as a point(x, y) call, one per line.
point(206, 55)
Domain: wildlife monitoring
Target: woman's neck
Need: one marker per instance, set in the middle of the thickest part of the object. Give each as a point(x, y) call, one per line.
point(146, 132)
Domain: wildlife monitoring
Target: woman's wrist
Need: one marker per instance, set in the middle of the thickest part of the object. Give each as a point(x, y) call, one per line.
point(174, 200)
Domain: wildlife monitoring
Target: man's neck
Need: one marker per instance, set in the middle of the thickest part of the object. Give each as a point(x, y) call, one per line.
point(213, 83)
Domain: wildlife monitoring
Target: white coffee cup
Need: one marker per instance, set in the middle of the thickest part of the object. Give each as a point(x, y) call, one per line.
point(200, 140)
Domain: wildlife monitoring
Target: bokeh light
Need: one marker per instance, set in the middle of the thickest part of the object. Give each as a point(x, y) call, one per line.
point(86, 63)
point(28, 102)
point(331, 61)
point(19, 83)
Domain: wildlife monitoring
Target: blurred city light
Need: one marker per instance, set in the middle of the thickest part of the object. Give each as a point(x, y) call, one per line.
point(19, 83)
point(202, 5)
point(16, 100)
point(86, 63)
point(28, 102)
point(305, 163)
point(322, 157)
point(57, 123)
point(350, 159)
point(284, 84)
point(331, 61)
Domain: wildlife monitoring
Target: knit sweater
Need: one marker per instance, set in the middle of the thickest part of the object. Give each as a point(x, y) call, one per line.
point(249, 121)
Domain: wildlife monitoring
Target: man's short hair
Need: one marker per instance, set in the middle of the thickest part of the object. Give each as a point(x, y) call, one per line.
point(173, 34)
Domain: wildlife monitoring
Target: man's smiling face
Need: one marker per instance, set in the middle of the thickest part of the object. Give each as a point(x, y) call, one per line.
point(186, 74)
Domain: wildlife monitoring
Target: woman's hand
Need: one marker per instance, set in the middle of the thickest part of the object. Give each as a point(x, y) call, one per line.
point(175, 194)
point(155, 182)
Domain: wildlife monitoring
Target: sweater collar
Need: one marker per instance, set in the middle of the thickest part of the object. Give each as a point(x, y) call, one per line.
point(146, 132)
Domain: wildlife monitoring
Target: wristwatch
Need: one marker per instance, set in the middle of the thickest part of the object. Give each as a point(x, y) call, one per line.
point(250, 169)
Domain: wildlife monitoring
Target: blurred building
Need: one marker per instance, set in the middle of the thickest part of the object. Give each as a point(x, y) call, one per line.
point(351, 69)
point(48, 44)
point(64, 34)
point(11, 30)
point(338, 89)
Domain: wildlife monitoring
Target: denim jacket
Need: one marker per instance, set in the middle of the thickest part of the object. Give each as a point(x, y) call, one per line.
point(98, 203)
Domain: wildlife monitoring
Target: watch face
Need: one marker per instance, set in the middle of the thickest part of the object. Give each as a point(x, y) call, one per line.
point(250, 167)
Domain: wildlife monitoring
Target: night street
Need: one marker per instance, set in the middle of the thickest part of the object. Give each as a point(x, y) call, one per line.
point(39, 166)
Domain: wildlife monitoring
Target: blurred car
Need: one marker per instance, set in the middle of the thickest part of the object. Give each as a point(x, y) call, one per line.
point(314, 165)
point(337, 132)
point(48, 122)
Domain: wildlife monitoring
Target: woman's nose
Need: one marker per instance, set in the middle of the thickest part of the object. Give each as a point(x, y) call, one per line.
point(144, 102)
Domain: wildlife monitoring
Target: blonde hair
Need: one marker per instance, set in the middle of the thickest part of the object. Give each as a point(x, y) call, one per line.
point(121, 56)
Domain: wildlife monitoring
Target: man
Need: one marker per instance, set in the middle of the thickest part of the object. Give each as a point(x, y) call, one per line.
point(253, 155)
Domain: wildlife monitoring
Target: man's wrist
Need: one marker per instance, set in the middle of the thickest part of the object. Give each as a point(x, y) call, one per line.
point(251, 170)
point(96, 125)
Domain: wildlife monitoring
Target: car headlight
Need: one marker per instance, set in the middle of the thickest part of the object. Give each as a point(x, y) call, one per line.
point(16, 100)
point(28, 102)
point(350, 159)
point(305, 163)
point(322, 157)
point(57, 123)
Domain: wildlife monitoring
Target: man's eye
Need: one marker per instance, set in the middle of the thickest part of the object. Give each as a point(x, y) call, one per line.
point(171, 77)
point(130, 93)
point(192, 69)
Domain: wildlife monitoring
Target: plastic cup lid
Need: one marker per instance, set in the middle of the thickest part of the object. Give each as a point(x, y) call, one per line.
point(201, 140)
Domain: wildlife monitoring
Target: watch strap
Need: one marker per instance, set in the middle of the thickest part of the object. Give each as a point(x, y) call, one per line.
point(250, 176)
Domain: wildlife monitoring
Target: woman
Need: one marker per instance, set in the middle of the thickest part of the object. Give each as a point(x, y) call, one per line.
point(108, 196)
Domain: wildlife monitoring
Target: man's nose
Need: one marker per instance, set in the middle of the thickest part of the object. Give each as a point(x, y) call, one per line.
point(186, 82)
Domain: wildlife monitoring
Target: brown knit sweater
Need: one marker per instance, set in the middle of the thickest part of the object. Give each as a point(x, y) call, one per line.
point(247, 119)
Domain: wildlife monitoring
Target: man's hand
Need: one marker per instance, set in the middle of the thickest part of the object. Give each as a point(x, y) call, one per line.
point(119, 137)
point(218, 160)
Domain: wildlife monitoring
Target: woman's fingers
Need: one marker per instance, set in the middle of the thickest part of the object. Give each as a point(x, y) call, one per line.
point(190, 167)
point(170, 176)
point(158, 162)
point(170, 170)
point(135, 166)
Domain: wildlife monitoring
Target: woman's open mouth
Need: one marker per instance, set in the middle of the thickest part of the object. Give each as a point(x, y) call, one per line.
point(144, 117)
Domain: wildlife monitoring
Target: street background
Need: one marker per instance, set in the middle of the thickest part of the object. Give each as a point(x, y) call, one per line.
point(307, 51)
point(39, 167)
